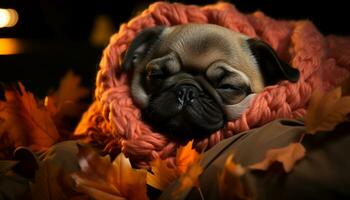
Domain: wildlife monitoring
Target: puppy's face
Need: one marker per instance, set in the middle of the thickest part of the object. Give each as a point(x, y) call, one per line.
point(189, 79)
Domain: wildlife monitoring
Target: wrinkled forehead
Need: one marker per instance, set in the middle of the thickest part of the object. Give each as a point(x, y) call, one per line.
point(197, 46)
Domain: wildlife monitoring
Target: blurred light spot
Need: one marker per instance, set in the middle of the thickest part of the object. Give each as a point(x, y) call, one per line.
point(102, 30)
point(8, 17)
point(9, 46)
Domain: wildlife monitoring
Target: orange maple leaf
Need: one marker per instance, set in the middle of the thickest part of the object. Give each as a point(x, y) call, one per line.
point(101, 179)
point(162, 175)
point(185, 157)
point(189, 179)
point(65, 104)
point(187, 169)
point(25, 122)
point(65, 101)
point(325, 111)
point(69, 90)
point(287, 156)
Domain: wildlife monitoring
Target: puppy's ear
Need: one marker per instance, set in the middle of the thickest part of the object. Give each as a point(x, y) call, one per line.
point(273, 69)
point(140, 46)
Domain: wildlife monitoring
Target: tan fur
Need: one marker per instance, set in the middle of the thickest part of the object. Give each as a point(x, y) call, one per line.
point(198, 46)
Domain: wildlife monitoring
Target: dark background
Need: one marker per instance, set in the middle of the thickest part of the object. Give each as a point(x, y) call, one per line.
point(54, 34)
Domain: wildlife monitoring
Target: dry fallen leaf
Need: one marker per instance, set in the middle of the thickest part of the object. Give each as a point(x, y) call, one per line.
point(287, 156)
point(49, 103)
point(65, 105)
point(101, 179)
point(189, 179)
point(325, 111)
point(186, 156)
point(163, 175)
point(187, 163)
point(69, 90)
point(231, 185)
point(25, 122)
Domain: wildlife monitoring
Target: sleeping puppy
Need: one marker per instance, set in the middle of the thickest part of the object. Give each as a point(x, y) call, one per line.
point(190, 79)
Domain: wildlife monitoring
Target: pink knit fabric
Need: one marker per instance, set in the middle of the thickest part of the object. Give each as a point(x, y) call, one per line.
point(323, 62)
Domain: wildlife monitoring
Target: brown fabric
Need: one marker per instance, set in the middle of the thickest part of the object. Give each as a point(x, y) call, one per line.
point(321, 174)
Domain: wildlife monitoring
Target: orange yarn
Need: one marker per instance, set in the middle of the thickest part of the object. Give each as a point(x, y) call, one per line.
point(115, 122)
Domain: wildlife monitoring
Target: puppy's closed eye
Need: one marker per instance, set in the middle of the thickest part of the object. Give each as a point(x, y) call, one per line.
point(231, 84)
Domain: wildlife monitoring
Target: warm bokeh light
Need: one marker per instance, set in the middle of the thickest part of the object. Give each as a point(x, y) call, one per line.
point(8, 17)
point(9, 46)
point(102, 30)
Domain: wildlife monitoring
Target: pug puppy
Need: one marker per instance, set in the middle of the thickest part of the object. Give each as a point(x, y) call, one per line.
point(188, 80)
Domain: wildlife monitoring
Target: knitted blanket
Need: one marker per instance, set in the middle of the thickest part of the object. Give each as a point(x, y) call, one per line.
point(114, 122)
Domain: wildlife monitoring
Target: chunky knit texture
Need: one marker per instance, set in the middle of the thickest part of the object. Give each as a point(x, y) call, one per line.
point(114, 122)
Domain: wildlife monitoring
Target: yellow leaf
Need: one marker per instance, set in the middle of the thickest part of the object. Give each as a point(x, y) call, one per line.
point(162, 174)
point(325, 111)
point(129, 179)
point(231, 185)
point(287, 156)
point(25, 122)
point(101, 179)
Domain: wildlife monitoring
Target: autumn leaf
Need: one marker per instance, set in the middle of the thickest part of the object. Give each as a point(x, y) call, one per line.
point(287, 156)
point(230, 181)
point(49, 103)
point(187, 163)
point(325, 111)
point(69, 90)
point(101, 179)
point(189, 179)
point(25, 122)
point(65, 105)
point(163, 175)
point(186, 156)
point(187, 169)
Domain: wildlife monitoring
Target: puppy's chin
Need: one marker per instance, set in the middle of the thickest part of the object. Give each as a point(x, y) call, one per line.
point(195, 119)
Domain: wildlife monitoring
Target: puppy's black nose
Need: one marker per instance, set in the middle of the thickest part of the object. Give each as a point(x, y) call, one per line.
point(186, 93)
